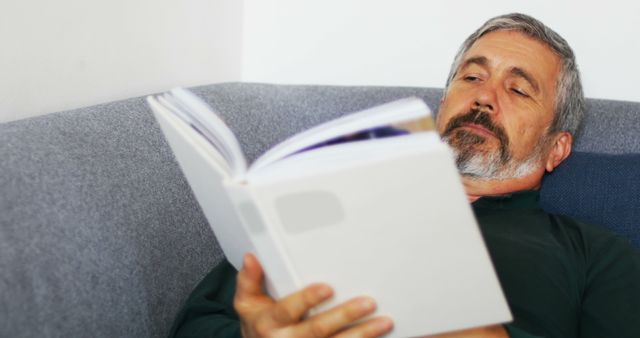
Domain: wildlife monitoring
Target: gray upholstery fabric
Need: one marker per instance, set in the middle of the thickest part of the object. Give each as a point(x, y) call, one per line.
point(99, 233)
point(610, 127)
point(264, 114)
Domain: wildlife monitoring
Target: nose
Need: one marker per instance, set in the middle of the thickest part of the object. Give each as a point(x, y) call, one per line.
point(485, 98)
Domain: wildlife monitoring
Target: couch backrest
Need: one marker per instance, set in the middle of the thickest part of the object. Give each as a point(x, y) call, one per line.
point(100, 234)
point(599, 183)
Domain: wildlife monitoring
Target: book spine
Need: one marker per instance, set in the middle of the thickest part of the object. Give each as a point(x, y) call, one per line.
point(280, 277)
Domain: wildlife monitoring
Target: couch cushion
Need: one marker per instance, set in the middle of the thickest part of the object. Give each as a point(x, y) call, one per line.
point(99, 233)
point(101, 236)
point(601, 189)
point(609, 127)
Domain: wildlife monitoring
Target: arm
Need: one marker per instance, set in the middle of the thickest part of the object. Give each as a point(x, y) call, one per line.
point(611, 299)
point(208, 311)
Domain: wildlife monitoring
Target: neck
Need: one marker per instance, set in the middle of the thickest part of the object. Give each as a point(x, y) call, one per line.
point(476, 188)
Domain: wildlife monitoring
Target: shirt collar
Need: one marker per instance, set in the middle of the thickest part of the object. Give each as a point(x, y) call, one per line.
point(527, 199)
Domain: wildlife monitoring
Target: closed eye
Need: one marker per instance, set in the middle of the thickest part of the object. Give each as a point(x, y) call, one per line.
point(471, 78)
point(520, 92)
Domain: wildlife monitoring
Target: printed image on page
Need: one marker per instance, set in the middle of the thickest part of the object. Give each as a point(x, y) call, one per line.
point(421, 125)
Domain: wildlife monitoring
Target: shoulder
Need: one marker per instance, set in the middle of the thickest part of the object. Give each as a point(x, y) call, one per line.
point(610, 295)
point(595, 236)
point(596, 244)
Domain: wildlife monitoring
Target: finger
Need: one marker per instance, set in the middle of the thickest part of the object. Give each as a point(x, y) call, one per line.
point(293, 307)
point(329, 322)
point(497, 331)
point(249, 297)
point(250, 277)
point(375, 327)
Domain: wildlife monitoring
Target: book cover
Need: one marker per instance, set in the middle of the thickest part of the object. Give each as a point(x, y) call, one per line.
point(370, 207)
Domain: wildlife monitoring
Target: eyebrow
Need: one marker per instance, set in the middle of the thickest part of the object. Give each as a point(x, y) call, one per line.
point(478, 60)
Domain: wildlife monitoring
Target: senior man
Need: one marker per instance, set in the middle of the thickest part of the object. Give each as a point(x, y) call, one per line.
point(512, 104)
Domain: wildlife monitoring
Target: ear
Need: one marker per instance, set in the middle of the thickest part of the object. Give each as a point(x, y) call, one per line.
point(559, 151)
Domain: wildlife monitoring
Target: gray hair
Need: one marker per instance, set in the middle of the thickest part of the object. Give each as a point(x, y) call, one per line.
point(569, 100)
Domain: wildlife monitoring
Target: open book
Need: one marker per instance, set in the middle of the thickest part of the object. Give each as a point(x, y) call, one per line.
point(370, 203)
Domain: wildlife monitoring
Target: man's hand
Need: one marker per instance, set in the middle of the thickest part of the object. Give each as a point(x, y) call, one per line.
point(261, 316)
point(495, 331)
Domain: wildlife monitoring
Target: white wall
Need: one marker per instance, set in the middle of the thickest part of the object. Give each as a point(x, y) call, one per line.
point(412, 42)
point(57, 55)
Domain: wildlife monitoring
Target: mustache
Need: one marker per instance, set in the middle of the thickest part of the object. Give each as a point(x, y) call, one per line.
point(481, 118)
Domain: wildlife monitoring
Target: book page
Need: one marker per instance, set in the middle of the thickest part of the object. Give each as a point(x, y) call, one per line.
point(191, 109)
point(350, 154)
point(171, 125)
point(382, 120)
point(420, 125)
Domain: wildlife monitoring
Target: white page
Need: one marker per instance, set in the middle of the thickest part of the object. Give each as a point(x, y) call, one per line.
point(164, 111)
point(327, 159)
point(213, 127)
point(195, 112)
point(206, 172)
point(394, 112)
point(171, 103)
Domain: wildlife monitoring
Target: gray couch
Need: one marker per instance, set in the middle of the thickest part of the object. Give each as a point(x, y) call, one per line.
point(100, 235)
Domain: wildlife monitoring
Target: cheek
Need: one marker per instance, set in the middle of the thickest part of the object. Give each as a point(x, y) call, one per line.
point(531, 129)
point(524, 140)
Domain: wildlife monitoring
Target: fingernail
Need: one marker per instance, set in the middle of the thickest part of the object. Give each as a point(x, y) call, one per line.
point(384, 324)
point(323, 291)
point(366, 303)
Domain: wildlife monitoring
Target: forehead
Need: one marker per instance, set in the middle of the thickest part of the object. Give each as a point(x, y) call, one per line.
point(506, 49)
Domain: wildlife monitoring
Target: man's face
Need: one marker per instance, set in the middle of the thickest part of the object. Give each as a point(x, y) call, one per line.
point(499, 105)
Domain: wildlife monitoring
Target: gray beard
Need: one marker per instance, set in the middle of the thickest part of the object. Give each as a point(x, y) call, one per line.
point(493, 165)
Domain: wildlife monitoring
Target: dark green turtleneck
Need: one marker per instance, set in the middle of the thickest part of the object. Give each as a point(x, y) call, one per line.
point(562, 278)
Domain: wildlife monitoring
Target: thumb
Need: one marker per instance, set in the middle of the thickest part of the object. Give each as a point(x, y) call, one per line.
point(250, 278)
point(249, 297)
